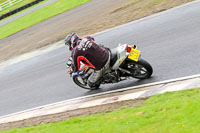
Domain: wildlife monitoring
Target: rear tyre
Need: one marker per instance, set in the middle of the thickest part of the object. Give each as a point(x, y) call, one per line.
point(140, 70)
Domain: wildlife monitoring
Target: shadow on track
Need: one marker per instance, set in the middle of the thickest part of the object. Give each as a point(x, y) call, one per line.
point(124, 84)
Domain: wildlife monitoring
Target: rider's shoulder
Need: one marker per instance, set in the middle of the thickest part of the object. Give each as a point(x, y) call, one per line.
point(90, 38)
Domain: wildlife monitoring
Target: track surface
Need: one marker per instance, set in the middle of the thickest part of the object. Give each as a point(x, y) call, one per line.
point(170, 41)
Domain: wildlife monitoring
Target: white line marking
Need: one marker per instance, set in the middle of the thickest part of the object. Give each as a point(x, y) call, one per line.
point(108, 92)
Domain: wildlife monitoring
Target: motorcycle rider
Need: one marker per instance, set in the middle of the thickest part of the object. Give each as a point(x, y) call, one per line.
point(85, 50)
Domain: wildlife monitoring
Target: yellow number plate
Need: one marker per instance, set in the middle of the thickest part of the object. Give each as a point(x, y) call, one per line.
point(134, 54)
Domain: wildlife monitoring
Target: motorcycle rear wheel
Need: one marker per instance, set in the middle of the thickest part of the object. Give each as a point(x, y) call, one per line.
point(140, 70)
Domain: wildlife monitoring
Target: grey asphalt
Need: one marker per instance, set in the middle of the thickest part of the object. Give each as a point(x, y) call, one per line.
point(23, 13)
point(170, 41)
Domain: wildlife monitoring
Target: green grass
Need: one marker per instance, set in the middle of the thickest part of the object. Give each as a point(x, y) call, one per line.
point(15, 6)
point(1, 1)
point(19, 5)
point(42, 14)
point(177, 112)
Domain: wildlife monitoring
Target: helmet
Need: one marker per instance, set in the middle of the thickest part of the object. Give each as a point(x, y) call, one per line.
point(70, 40)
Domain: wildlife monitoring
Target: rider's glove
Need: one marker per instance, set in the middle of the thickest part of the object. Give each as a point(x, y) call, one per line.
point(69, 71)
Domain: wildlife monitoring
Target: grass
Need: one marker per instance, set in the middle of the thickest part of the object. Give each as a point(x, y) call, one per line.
point(19, 5)
point(1, 1)
point(42, 14)
point(126, 5)
point(146, 5)
point(174, 112)
point(15, 6)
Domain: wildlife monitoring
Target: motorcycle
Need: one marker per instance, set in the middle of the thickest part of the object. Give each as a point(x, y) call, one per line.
point(125, 62)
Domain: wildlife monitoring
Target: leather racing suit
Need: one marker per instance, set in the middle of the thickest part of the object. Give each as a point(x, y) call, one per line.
point(93, 55)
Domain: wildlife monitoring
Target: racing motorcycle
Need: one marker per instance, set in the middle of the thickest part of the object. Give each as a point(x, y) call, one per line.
point(125, 62)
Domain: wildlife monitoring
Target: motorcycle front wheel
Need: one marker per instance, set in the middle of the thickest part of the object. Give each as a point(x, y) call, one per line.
point(140, 70)
point(81, 83)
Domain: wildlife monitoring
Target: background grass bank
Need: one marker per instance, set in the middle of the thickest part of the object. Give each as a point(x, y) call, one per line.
point(42, 14)
point(15, 6)
point(175, 112)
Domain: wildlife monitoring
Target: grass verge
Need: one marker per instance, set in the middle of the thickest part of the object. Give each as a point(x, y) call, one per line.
point(174, 112)
point(15, 6)
point(21, 4)
point(42, 14)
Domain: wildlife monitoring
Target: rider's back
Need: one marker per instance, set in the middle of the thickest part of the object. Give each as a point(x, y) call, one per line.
point(87, 50)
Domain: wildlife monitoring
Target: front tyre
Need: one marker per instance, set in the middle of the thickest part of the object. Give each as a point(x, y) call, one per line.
point(140, 70)
point(83, 84)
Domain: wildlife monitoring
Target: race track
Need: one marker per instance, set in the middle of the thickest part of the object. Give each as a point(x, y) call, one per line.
point(170, 41)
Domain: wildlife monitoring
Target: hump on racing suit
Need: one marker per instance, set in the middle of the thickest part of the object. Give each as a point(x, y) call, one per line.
point(89, 53)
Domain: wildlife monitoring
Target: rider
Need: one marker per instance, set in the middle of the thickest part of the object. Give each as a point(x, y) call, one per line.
point(93, 55)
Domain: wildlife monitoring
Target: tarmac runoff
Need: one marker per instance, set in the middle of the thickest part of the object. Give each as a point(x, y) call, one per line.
point(130, 93)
